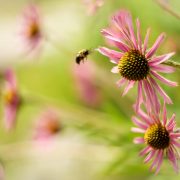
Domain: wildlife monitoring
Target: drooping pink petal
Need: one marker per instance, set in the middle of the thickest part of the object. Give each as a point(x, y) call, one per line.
point(148, 101)
point(163, 80)
point(113, 61)
point(145, 117)
point(154, 97)
point(174, 135)
point(171, 124)
point(162, 68)
point(121, 82)
point(120, 23)
point(115, 69)
point(164, 114)
point(112, 54)
point(123, 34)
point(175, 143)
point(149, 96)
point(149, 156)
point(137, 130)
point(139, 39)
point(145, 151)
point(140, 96)
point(110, 32)
point(131, 30)
point(146, 40)
point(172, 158)
point(160, 59)
point(139, 123)
point(159, 161)
point(156, 159)
point(155, 46)
point(155, 118)
point(128, 87)
point(119, 43)
point(161, 92)
point(138, 140)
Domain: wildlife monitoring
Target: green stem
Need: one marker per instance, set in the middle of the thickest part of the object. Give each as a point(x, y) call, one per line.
point(172, 63)
point(167, 8)
point(73, 113)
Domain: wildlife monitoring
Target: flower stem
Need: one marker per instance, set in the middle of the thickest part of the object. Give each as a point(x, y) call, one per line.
point(167, 8)
point(172, 63)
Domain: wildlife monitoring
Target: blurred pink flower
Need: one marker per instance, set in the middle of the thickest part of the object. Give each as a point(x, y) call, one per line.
point(160, 136)
point(93, 5)
point(84, 75)
point(47, 125)
point(11, 99)
point(2, 176)
point(31, 31)
point(136, 63)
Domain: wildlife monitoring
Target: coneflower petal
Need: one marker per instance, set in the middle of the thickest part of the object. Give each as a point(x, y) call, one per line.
point(155, 46)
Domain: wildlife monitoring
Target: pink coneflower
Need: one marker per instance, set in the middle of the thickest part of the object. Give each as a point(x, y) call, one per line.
point(31, 28)
point(11, 99)
point(160, 137)
point(47, 125)
point(136, 63)
point(84, 75)
point(93, 5)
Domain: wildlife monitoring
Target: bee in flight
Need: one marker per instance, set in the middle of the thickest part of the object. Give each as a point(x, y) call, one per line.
point(82, 55)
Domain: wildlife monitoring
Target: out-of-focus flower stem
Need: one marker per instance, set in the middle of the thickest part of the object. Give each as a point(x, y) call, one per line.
point(167, 8)
point(67, 111)
point(172, 63)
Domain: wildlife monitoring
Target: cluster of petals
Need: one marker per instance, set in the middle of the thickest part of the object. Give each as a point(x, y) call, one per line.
point(93, 5)
point(12, 99)
point(145, 120)
point(31, 30)
point(122, 35)
point(47, 125)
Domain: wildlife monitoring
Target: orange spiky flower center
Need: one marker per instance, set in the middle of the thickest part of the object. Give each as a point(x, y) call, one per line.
point(157, 136)
point(133, 66)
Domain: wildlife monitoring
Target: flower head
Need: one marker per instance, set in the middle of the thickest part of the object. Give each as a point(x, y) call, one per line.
point(31, 27)
point(135, 62)
point(160, 137)
point(47, 125)
point(93, 5)
point(11, 98)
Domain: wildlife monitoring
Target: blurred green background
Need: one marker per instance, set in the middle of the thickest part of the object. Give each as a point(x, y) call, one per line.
point(96, 142)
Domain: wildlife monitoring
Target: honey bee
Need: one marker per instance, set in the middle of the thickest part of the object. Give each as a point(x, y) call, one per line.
point(82, 55)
